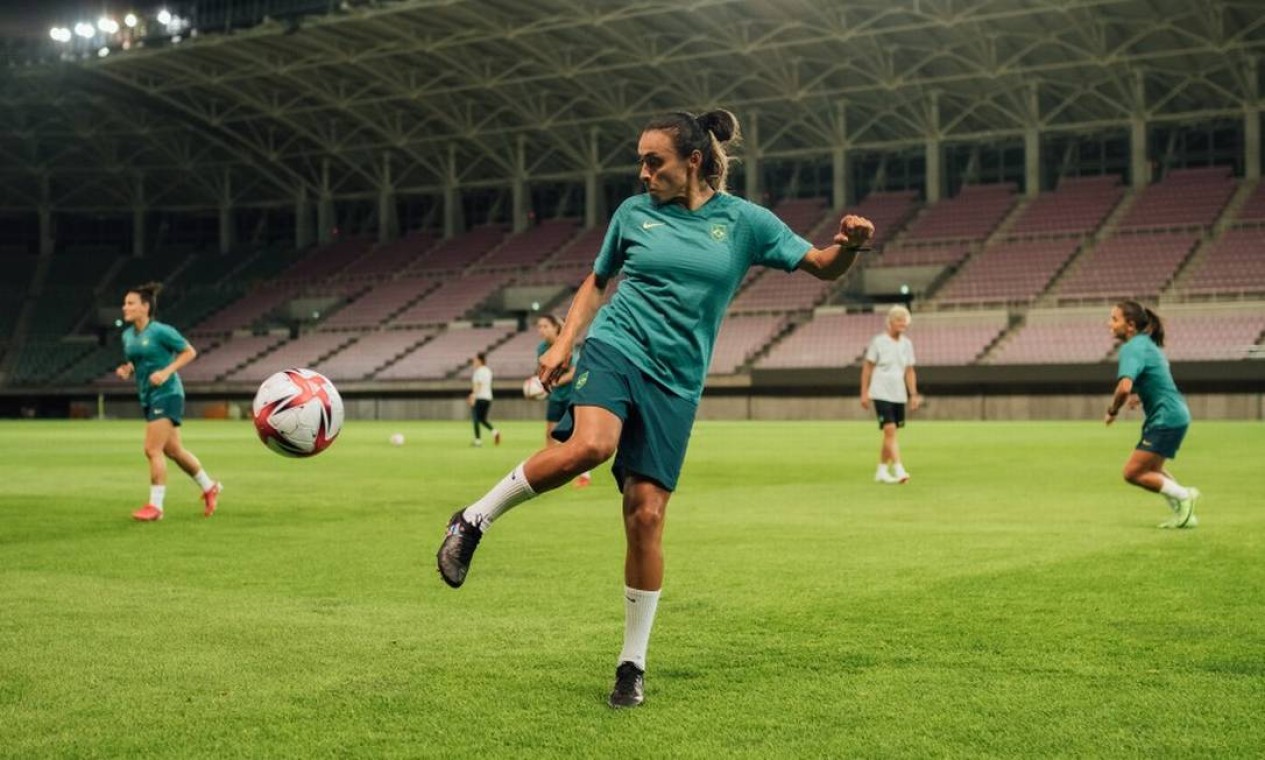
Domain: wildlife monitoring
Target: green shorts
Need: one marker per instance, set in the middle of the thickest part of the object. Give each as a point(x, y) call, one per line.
point(657, 422)
point(165, 408)
point(555, 409)
point(1164, 441)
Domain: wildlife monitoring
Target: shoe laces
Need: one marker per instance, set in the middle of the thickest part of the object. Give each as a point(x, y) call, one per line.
point(467, 535)
point(626, 676)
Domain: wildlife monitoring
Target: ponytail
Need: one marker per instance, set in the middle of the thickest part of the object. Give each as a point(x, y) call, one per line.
point(1144, 320)
point(710, 134)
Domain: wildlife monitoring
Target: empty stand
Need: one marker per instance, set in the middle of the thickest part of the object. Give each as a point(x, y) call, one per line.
point(228, 356)
point(740, 338)
point(780, 291)
point(327, 261)
point(459, 252)
point(889, 211)
point(531, 247)
point(972, 214)
point(515, 357)
point(1183, 198)
point(581, 250)
point(831, 339)
point(377, 304)
point(803, 215)
point(1009, 272)
point(1211, 334)
point(370, 353)
point(304, 351)
point(954, 339)
point(1127, 265)
point(448, 352)
point(1078, 207)
point(1053, 336)
point(451, 300)
point(387, 260)
point(921, 256)
point(1253, 208)
point(1231, 265)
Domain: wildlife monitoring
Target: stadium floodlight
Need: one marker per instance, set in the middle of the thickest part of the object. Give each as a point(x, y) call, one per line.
point(130, 20)
point(108, 25)
point(164, 16)
point(60, 34)
point(85, 30)
point(103, 52)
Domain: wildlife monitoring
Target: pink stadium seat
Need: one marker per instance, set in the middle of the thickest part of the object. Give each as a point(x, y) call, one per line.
point(304, 351)
point(1233, 264)
point(370, 353)
point(949, 255)
point(1183, 198)
point(971, 215)
point(379, 303)
point(888, 210)
point(326, 262)
point(1253, 209)
point(1054, 337)
point(228, 357)
point(460, 252)
point(1212, 335)
point(779, 291)
point(530, 248)
point(515, 357)
point(1009, 272)
point(447, 353)
point(1077, 207)
point(740, 337)
point(829, 340)
point(1127, 265)
point(451, 300)
point(387, 260)
point(803, 215)
point(581, 250)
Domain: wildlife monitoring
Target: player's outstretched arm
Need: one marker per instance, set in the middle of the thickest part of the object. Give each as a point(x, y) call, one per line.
point(588, 299)
point(834, 262)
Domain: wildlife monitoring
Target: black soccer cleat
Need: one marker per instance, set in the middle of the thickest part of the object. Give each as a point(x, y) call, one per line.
point(457, 550)
point(630, 682)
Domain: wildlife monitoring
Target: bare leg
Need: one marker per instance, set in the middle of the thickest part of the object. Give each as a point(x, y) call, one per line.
point(1145, 469)
point(891, 449)
point(157, 434)
point(593, 441)
point(177, 453)
point(645, 510)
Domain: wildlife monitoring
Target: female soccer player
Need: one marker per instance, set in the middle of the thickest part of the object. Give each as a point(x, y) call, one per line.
point(684, 247)
point(888, 379)
point(550, 327)
point(155, 352)
point(1144, 371)
point(480, 399)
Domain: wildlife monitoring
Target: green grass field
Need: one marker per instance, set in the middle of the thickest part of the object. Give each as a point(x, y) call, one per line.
point(1014, 600)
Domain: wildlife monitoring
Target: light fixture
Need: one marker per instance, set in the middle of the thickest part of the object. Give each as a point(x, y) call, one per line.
point(107, 25)
point(103, 52)
point(130, 20)
point(60, 34)
point(85, 30)
point(164, 16)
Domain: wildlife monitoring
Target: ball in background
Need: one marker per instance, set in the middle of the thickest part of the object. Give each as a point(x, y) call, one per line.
point(397, 439)
point(534, 389)
point(298, 412)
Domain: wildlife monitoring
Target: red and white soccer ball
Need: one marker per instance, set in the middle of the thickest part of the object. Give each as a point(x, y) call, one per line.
point(298, 412)
point(534, 389)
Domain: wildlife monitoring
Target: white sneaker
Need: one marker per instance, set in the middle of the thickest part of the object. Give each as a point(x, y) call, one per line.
point(902, 477)
point(1183, 511)
point(884, 477)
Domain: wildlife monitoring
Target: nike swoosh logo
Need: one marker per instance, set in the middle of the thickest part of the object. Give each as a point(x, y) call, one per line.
point(629, 598)
point(651, 225)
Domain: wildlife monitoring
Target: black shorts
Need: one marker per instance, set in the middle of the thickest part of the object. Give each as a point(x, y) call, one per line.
point(889, 413)
point(1162, 441)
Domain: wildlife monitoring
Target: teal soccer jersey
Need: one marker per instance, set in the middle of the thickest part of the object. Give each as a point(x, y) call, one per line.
point(1145, 364)
point(681, 269)
point(149, 351)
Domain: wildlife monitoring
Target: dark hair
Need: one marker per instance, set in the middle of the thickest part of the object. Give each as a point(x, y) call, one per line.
point(551, 319)
point(148, 293)
point(709, 134)
point(482, 357)
point(1143, 319)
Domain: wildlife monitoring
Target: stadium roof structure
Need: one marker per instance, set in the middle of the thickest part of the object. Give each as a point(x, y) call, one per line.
point(422, 95)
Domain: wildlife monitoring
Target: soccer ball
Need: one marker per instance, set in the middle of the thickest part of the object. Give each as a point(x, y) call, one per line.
point(396, 439)
point(298, 412)
point(534, 389)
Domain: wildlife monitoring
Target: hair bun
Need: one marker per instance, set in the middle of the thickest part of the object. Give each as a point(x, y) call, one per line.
point(721, 123)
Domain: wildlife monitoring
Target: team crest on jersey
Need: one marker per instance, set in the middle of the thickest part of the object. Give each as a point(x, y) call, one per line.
point(719, 233)
point(581, 380)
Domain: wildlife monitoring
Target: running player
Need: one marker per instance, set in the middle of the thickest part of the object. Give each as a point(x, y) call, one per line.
point(550, 327)
point(1144, 377)
point(480, 399)
point(683, 247)
point(155, 352)
point(888, 379)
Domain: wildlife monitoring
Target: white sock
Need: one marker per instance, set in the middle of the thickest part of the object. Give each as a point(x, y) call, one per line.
point(881, 471)
point(504, 496)
point(204, 481)
point(156, 494)
point(898, 469)
point(639, 609)
point(1172, 490)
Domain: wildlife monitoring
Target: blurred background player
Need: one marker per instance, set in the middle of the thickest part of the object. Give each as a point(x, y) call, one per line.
point(684, 247)
point(480, 399)
point(559, 398)
point(155, 352)
point(1144, 377)
point(889, 382)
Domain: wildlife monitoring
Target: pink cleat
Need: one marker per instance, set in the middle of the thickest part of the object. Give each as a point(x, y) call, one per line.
point(209, 498)
point(584, 481)
point(148, 513)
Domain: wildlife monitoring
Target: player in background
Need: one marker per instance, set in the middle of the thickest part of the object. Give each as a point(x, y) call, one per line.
point(550, 327)
point(888, 381)
point(155, 352)
point(683, 247)
point(480, 399)
point(1144, 377)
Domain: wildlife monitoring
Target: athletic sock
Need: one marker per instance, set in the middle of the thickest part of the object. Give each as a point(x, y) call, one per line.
point(156, 495)
point(881, 471)
point(504, 496)
point(1172, 490)
point(204, 481)
point(639, 609)
point(898, 470)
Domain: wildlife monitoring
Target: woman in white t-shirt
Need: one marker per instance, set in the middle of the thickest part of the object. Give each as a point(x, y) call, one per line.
point(887, 379)
point(480, 399)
